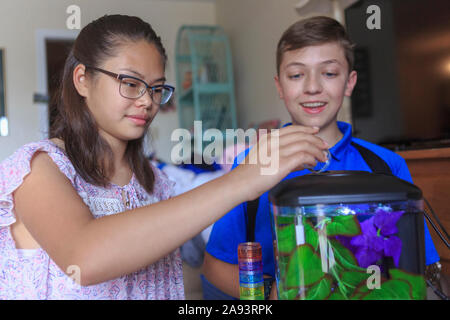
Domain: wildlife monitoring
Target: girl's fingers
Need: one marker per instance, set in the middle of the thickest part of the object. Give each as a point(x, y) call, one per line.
point(290, 130)
point(295, 137)
point(274, 157)
point(297, 128)
point(304, 146)
point(293, 133)
point(297, 161)
point(287, 142)
point(294, 140)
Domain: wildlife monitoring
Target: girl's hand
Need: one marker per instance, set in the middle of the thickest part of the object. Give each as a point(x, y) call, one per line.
point(277, 154)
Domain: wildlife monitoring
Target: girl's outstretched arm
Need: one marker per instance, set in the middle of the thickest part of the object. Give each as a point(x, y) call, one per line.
point(111, 246)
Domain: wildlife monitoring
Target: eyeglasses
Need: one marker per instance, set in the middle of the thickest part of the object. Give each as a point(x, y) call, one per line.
point(133, 88)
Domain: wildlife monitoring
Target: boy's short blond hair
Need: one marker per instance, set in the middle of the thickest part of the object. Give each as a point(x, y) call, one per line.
point(312, 32)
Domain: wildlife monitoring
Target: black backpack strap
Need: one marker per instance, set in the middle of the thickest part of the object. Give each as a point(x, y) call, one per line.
point(376, 164)
point(252, 208)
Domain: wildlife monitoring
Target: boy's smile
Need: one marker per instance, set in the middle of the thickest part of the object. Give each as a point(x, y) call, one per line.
point(313, 107)
point(313, 82)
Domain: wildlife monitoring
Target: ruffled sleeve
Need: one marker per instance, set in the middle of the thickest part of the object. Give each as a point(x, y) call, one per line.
point(15, 168)
point(164, 187)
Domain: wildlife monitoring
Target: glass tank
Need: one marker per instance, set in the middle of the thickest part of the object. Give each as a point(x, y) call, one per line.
point(348, 235)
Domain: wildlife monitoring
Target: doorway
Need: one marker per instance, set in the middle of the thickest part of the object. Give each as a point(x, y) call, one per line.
point(53, 47)
point(57, 52)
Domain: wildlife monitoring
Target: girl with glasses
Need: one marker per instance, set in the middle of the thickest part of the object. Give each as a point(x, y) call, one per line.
point(84, 214)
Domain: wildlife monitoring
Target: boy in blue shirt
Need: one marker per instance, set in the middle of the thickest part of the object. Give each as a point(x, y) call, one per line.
point(314, 74)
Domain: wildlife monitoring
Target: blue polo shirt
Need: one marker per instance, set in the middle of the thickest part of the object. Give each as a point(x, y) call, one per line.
point(230, 230)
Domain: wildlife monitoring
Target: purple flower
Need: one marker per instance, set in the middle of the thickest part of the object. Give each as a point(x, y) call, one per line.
point(377, 239)
point(393, 248)
point(386, 221)
point(345, 241)
point(369, 246)
point(367, 257)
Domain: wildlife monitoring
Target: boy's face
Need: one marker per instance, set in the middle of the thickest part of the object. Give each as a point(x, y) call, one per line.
point(313, 82)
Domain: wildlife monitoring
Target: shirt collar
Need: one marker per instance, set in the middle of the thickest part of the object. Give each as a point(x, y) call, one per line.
point(337, 151)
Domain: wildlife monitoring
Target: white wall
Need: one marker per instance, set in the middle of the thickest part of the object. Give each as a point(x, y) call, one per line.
point(19, 20)
point(254, 27)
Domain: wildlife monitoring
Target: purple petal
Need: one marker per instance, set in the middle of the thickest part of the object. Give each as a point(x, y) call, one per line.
point(386, 222)
point(368, 238)
point(346, 242)
point(393, 248)
point(367, 257)
point(377, 244)
point(368, 227)
point(368, 241)
point(359, 241)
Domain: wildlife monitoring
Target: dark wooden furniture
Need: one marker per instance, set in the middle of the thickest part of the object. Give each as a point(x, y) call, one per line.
point(430, 170)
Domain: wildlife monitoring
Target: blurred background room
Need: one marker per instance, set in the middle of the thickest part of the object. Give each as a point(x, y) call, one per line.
point(401, 101)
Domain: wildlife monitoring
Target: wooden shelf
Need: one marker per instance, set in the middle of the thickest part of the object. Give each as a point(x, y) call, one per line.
point(430, 170)
point(425, 154)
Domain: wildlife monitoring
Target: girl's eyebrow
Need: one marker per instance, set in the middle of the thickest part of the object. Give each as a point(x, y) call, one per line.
point(163, 79)
point(141, 76)
point(132, 71)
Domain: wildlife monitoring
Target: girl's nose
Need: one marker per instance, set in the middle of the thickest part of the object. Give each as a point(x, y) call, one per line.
point(145, 100)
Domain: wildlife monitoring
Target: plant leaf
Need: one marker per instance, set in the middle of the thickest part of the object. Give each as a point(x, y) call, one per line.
point(311, 236)
point(353, 279)
point(417, 282)
point(285, 220)
point(357, 296)
point(344, 256)
point(343, 226)
point(289, 294)
point(363, 289)
point(391, 290)
point(321, 290)
point(304, 268)
point(336, 295)
point(286, 239)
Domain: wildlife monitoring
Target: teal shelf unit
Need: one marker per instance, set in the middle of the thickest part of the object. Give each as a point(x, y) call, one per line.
point(205, 83)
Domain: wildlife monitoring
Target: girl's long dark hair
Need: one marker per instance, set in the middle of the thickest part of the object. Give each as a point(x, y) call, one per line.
point(89, 153)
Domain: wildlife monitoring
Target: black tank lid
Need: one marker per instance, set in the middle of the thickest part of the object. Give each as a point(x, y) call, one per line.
point(333, 187)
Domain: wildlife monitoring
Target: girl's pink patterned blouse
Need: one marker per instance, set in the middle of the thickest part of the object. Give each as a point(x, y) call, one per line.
point(31, 274)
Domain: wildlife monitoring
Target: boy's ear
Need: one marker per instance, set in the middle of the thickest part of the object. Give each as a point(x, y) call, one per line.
point(278, 85)
point(351, 82)
point(80, 81)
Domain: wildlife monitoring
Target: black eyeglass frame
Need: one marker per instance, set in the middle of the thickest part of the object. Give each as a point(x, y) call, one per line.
point(120, 76)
